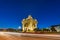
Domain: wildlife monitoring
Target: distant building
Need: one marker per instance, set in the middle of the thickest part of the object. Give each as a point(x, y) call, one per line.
point(29, 24)
point(57, 27)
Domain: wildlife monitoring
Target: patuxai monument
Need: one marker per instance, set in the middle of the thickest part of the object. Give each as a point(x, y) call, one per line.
point(29, 24)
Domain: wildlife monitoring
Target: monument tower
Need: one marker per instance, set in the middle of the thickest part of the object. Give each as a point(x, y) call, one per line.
point(29, 24)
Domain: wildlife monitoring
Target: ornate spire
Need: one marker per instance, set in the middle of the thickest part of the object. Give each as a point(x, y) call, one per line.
point(29, 16)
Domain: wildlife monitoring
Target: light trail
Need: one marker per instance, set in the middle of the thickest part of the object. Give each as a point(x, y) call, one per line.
point(12, 35)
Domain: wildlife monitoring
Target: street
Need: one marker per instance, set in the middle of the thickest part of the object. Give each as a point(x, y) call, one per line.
point(26, 36)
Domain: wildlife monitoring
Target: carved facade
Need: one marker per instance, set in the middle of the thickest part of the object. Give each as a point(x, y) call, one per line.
point(29, 24)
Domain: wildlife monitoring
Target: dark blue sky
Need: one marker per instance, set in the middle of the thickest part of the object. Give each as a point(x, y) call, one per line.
point(47, 12)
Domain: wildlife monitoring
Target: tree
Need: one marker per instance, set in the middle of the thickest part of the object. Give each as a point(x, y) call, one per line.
point(11, 29)
point(37, 29)
point(19, 30)
point(47, 30)
point(53, 29)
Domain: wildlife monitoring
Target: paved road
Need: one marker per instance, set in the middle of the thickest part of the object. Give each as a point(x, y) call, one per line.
point(25, 36)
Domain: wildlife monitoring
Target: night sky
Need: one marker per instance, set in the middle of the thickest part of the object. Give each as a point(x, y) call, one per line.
point(47, 12)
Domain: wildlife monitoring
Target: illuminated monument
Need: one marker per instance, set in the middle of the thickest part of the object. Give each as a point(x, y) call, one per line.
point(29, 24)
